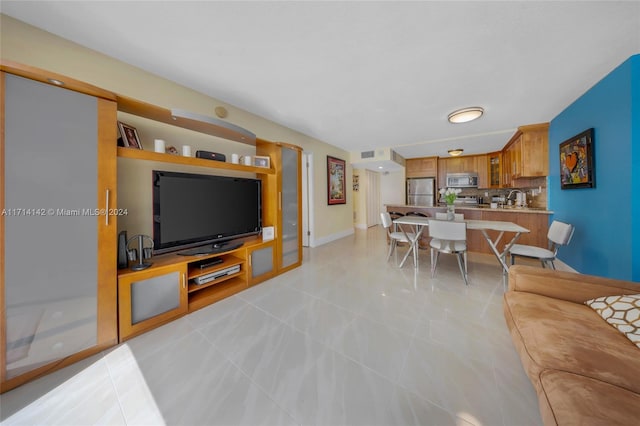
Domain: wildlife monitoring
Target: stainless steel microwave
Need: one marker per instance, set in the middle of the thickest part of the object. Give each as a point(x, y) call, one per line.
point(462, 180)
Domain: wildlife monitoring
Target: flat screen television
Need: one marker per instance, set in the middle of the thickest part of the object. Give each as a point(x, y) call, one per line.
point(203, 212)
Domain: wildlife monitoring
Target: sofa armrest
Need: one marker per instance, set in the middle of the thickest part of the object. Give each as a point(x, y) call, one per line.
point(564, 285)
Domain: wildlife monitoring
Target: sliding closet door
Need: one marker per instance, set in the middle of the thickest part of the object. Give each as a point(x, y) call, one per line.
point(52, 224)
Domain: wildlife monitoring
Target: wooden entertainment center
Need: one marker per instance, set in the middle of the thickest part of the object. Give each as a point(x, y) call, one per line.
point(40, 304)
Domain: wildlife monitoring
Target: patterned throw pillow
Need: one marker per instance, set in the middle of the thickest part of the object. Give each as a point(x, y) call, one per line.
point(622, 312)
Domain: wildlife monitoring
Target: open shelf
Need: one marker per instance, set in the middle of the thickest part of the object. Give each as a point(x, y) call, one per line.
point(139, 154)
point(210, 126)
point(198, 287)
point(222, 290)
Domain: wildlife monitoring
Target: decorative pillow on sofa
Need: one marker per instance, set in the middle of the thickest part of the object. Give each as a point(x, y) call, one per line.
point(622, 312)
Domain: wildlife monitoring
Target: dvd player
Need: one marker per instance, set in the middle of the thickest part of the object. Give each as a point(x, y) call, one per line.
point(207, 278)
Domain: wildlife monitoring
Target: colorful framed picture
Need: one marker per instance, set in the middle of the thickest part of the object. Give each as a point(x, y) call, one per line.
point(129, 136)
point(336, 185)
point(577, 167)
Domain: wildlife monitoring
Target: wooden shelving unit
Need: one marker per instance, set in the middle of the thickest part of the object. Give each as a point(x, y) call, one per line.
point(228, 262)
point(139, 154)
point(212, 126)
point(209, 295)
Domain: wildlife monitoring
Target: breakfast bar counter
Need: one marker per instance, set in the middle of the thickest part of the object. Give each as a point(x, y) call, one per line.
point(535, 220)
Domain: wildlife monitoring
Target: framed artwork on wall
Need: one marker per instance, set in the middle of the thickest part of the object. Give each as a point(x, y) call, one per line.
point(336, 185)
point(577, 167)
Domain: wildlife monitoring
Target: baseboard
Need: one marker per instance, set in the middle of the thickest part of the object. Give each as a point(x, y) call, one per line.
point(361, 226)
point(315, 242)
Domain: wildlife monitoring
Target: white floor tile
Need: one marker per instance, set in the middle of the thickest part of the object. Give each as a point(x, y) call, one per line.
point(346, 339)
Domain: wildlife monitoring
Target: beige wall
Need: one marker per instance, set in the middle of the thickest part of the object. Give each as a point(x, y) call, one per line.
point(31, 46)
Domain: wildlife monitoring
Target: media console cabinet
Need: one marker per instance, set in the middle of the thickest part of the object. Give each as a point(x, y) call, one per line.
point(167, 289)
point(60, 168)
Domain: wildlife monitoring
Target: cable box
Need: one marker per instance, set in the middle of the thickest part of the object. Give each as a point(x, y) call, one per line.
point(207, 278)
point(210, 262)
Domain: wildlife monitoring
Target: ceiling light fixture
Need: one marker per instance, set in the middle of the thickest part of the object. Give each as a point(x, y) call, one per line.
point(465, 115)
point(455, 152)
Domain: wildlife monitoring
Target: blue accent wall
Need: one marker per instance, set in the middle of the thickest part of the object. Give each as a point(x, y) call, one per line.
point(606, 241)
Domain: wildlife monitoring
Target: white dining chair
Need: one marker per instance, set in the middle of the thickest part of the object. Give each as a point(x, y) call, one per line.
point(443, 216)
point(559, 234)
point(449, 237)
point(395, 237)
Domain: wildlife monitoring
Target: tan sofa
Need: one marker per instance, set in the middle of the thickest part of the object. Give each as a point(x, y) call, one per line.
point(584, 371)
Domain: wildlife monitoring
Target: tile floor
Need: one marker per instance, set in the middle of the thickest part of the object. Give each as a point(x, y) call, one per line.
point(346, 339)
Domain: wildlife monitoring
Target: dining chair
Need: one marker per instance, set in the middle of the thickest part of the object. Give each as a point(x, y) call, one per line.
point(395, 215)
point(559, 234)
point(449, 237)
point(395, 237)
point(443, 216)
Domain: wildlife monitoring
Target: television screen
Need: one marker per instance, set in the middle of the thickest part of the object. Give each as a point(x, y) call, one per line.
point(192, 210)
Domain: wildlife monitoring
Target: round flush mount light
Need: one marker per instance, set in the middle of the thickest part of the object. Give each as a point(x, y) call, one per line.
point(465, 115)
point(455, 152)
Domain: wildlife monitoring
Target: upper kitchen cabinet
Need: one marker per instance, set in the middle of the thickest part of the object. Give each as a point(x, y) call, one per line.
point(494, 169)
point(535, 150)
point(526, 153)
point(421, 167)
point(467, 163)
point(483, 171)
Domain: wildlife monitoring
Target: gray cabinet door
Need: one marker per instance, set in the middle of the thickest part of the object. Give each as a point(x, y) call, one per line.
point(51, 231)
point(290, 207)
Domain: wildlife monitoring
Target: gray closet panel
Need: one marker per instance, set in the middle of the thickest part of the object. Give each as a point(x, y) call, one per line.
point(51, 235)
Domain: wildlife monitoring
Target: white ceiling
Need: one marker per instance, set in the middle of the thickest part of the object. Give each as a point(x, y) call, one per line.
point(364, 75)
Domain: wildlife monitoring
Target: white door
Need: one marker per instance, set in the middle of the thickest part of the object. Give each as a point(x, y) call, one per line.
point(307, 197)
point(373, 198)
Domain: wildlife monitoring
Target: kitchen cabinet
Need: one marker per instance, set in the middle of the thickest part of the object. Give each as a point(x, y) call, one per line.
point(482, 170)
point(461, 164)
point(526, 154)
point(467, 163)
point(58, 244)
point(535, 150)
point(442, 173)
point(421, 167)
point(494, 169)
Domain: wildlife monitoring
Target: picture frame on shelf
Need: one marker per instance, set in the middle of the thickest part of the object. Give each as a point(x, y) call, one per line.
point(129, 135)
point(261, 161)
point(577, 167)
point(336, 185)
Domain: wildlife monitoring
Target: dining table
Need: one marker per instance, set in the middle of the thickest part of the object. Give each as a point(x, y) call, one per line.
point(419, 224)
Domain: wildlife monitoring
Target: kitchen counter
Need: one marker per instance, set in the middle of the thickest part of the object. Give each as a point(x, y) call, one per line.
point(535, 220)
point(485, 207)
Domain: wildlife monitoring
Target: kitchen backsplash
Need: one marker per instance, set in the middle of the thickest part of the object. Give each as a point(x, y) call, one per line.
point(534, 188)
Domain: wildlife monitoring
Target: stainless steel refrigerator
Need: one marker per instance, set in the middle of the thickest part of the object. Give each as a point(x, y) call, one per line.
point(421, 191)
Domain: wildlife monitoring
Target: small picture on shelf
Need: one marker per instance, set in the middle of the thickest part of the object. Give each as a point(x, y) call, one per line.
point(260, 161)
point(129, 136)
point(172, 150)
